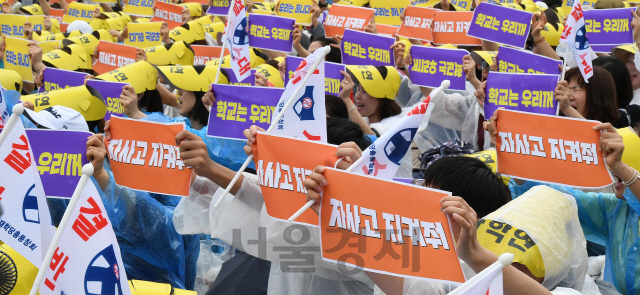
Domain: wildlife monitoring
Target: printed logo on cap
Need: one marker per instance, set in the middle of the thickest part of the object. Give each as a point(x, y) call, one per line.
point(30, 207)
point(304, 105)
point(397, 146)
point(103, 274)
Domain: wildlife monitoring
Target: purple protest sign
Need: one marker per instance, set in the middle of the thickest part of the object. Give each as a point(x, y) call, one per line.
point(364, 49)
point(271, 32)
point(533, 93)
point(500, 24)
point(522, 61)
point(110, 92)
point(55, 79)
point(603, 48)
point(60, 155)
point(433, 65)
point(239, 107)
point(332, 75)
point(249, 81)
point(609, 26)
point(219, 7)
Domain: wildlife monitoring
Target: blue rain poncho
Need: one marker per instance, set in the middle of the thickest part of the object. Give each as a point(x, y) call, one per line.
point(609, 221)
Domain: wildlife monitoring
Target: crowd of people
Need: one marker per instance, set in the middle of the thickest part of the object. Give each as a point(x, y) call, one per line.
point(587, 240)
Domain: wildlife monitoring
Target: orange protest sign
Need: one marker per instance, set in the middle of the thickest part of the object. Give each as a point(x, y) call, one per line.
point(342, 17)
point(144, 157)
point(169, 13)
point(112, 56)
point(414, 228)
point(204, 53)
point(550, 149)
point(58, 14)
point(418, 23)
point(386, 30)
point(282, 164)
point(450, 27)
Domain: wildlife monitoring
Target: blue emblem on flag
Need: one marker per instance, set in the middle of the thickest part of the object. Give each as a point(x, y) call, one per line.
point(30, 207)
point(581, 39)
point(240, 35)
point(399, 144)
point(304, 105)
point(103, 274)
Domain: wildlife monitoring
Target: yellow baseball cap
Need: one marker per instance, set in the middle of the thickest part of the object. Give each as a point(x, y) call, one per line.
point(358, 3)
point(486, 56)
point(176, 53)
point(552, 33)
point(379, 82)
point(41, 35)
point(72, 57)
point(622, 52)
point(225, 62)
point(190, 32)
point(272, 74)
point(88, 41)
point(55, 26)
point(141, 75)
point(116, 23)
point(191, 78)
point(264, 7)
point(104, 35)
point(33, 9)
point(10, 80)
point(84, 99)
point(48, 46)
point(98, 23)
point(62, 36)
point(204, 20)
point(257, 57)
point(214, 28)
point(631, 143)
point(195, 9)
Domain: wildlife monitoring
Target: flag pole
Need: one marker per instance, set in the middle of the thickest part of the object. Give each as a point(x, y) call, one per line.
point(87, 171)
point(290, 101)
point(15, 117)
point(504, 260)
point(224, 46)
point(444, 85)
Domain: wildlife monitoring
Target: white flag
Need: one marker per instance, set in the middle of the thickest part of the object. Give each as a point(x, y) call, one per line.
point(489, 284)
point(25, 224)
point(382, 158)
point(237, 40)
point(575, 35)
point(87, 259)
point(307, 117)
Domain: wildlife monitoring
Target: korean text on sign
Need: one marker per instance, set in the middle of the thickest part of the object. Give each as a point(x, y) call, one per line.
point(532, 93)
point(550, 149)
point(432, 65)
point(359, 48)
point(521, 61)
point(343, 17)
point(271, 32)
point(609, 26)
point(500, 24)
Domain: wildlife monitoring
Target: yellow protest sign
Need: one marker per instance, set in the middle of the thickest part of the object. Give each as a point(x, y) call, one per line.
point(298, 9)
point(48, 46)
point(143, 35)
point(16, 57)
point(37, 22)
point(13, 25)
point(388, 11)
point(461, 5)
point(425, 3)
point(140, 7)
point(79, 11)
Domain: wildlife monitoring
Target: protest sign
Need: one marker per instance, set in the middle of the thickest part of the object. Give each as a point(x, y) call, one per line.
point(58, 14)
point(239, 107)
point(415, 229)
point(332, 74)
point(249, 81)
point(343, 17)
point(388, 11)
point(433, 65)
point(271, 32)
point(462, 5)
point(609, 26)
point(603, 48)
point(143, 35)
point(532, 93)
point(16, 57)
point(418, 23)
point(500, 24)
point(300, 10)
point(60, 155)
point(219, 7)
point(142, 8)
point(386, 30)
point(281, 172)
point(48, 46)
point(523, 61)
point(79, 11)
point(37, 22)
point(137, 152)
point(360, 48)
point(204, 53)
point(451, 27)
point(169, 13)
point(13, 25)
point(110, 92)
point(112, 56)
point(54, 79)
point(550, 149)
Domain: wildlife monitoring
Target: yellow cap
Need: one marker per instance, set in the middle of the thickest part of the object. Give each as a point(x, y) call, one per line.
point(62, 36)
point(487, 56)
point(176, 53)
point(280, 59)
point(48, 46)
point(142, 20)
point(195, 9)
point(622, 52)
point(41, 35)
point(428, 3)
point(116, 23)
point(98, 23)
point(55, 26)
point(204, 20)
point(111, 15)
point(141, 75)
point(104, 35)
point(126, 16)
point(27, 272)
point(225, 62)
point(272, 74)
point(552, 33)
point(264, 7)
point(489, 158)
point(214, 29)
point(448, 46)
point(10, 80)
point(191, 78)
point(530, 6)
point(72, 57)
point(88, 41)
point(33, 9)
point(190, 32)
point(626, 4)
point(257, 57)
point(374, 83)
point(631, 143)
point(358, 3)
point(84, 99)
